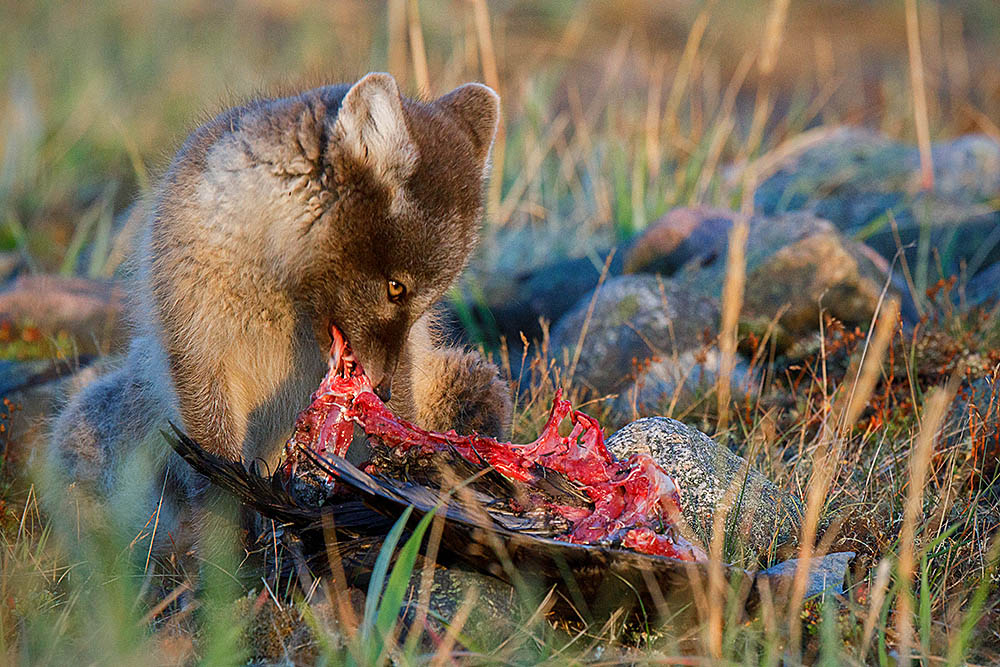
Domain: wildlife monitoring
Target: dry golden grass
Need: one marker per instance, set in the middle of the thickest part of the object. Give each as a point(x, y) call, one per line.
point(613, 113)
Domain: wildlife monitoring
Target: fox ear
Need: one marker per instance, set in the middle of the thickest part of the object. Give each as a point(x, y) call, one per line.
point(478, 107)
point(371, 127)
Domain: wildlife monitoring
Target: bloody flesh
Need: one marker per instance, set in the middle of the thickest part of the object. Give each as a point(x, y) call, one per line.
point(633, 502)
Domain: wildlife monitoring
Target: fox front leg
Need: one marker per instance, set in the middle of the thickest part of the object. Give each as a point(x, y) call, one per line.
point(453, 388)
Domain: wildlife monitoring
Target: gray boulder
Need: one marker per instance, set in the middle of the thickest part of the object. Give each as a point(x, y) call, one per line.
point(857, 178)
point(984, 288)
point(679, 237)
point(666, 384)
point(796, 264)
point(826, 575)
point(713, 479)
point(511, 304)
point(635, 318)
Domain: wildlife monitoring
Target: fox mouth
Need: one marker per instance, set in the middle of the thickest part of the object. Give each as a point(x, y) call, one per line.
point(631, 503)
point(343, 363)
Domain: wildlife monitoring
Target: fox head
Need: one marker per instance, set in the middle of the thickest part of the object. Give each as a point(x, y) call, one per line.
point(359, 206)
point(408, 179)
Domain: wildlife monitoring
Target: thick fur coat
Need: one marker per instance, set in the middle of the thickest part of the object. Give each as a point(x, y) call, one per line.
point(346, 204)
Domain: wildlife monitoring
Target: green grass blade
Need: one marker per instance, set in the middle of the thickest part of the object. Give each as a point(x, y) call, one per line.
point(81, 233)
point(395, 590)
point(15, 229)
point(925, 607)
point(830, 646)
point(378, 578)
point(956, 652)
point(101, 244)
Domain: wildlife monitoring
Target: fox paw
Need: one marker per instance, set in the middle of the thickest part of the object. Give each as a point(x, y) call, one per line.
point(462, 390)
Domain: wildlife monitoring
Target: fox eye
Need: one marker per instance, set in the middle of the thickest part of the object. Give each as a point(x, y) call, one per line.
point(396, 291)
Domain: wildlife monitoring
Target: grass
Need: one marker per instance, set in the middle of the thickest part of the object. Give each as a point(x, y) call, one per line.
point(611, 117)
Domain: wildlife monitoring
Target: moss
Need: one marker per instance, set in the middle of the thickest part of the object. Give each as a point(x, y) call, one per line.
point(627, 308)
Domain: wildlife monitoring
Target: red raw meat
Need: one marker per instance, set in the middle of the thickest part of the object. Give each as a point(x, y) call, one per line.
point(634, 501)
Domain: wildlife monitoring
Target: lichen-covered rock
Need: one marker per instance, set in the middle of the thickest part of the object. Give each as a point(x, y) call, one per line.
point(634, 318)
point(795, 265)
point(494, 614)
point(271, 635)
point(858, 179)
point(676, 381)
point(713, 479)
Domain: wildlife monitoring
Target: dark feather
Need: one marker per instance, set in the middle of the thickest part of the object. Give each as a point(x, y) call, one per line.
point(270, 495)
point(479, 529)
point(465, 534)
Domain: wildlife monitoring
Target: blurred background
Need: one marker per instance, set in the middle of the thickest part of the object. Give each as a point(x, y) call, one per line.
point(614, 111)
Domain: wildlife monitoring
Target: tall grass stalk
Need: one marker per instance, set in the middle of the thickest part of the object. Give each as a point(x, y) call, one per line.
point(418, 54)
point(396, 29)
point(935, 409)
point(826, 459)
point(919, 93)
point(732, 303)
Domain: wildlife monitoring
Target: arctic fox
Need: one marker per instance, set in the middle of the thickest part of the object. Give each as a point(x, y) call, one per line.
point(348, 205)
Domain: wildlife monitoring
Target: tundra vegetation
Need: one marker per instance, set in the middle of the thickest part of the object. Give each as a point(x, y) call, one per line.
point(883, 419)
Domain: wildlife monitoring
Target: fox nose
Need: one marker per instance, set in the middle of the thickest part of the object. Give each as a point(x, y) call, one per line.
point(384, 390)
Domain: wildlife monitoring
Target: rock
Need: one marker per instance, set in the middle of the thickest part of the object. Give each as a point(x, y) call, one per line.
point(16, 374)
point(510, 305)
point(676, 382)
point(815, 267)
point(711, 479)
point(33, 392)
point(795, 263)
point(496, 611)
point(975, 415)
point(855, 177)
point(984, 288)
point(91, 311)
point(634, 317)
point(493, 617)
point(11, 263)
point(681, 236)
point(273, 635)
point(826, 575)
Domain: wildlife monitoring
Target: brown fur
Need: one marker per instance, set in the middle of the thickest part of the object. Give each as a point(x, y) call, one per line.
point(274, 220)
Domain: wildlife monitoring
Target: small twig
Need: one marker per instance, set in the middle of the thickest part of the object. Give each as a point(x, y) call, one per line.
point(271, 593)
point(586, 320)
point(156, 522)
point(164, 603)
